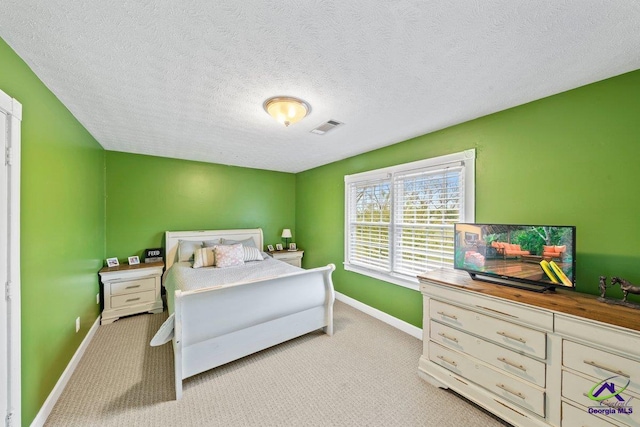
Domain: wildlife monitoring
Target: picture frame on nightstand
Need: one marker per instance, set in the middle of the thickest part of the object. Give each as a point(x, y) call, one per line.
point(112, 262)
point(134, 260)
point(270, 248)
point(293, 247)
point(278, 247)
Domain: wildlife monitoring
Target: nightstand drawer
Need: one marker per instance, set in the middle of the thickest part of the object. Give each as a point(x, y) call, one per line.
point(133, 299)
point(132, 286)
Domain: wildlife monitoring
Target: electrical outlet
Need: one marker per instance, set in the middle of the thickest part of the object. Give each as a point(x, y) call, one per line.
point(77, 324)
point(97, 298)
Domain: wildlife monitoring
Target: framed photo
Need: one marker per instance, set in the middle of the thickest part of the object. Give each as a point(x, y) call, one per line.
point(133, 260)
point(112, 262)
point(270, 248)
point(278, 247)
point(293, 247)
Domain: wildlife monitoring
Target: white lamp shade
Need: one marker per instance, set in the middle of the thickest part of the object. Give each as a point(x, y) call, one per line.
point(286, 233)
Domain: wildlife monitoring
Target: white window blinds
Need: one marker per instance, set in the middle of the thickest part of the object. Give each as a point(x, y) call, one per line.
point(399, 220)
point(369, 223)
point(426, 205)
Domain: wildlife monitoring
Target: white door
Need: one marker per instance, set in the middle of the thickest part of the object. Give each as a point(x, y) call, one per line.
point(10, 117)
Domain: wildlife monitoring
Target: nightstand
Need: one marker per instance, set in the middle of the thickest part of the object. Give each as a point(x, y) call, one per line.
point(131, 289)
point(290, 257)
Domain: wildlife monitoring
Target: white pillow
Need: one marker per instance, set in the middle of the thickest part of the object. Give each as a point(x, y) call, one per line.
point(203, 257)
point(252, 254)
point(229, 256)
point(186, 248)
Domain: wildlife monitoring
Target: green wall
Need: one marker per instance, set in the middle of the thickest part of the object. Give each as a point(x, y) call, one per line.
point(62, 230)
point(570, 159)
point(147, 196)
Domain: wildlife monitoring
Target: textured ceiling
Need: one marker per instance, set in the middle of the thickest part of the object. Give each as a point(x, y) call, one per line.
point(188, 79)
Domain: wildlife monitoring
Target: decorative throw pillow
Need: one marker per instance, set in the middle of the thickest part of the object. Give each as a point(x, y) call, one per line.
point(203, 257)
point(252, 254)
point(186, 248)
point(229, 256)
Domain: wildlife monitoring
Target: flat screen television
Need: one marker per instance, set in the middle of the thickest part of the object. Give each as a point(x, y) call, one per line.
point(534, 257)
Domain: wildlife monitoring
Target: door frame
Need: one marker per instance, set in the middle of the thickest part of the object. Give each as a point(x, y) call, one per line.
point(11, 217)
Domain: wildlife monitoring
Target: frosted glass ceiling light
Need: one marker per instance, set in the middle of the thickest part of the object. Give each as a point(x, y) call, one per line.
point(287, 110)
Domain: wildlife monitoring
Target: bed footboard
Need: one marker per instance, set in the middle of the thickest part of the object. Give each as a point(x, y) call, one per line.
point(217, 325)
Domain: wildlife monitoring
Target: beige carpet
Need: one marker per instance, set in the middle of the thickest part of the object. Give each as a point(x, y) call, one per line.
point(365, 375)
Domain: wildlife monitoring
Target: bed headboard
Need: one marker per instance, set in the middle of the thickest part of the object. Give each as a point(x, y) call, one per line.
point(172, 238)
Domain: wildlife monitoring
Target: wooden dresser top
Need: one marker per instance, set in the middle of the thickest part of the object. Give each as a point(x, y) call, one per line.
point(562, 301)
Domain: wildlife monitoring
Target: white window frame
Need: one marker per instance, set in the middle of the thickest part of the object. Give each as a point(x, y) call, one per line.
point(466, 158)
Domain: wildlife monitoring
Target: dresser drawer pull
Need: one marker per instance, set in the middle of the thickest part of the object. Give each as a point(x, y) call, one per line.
point(133, 299)
point(615, 371)
point(132, 287)
point(515, 393)
point(450, 316)
point(510, 363)
point(450, 362)
point(445, 336)
point(511, 337)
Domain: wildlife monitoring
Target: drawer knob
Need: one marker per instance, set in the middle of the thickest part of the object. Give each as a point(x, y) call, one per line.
point(510, 363)
point(511, 337)
point(605, 368)
point(445, 336)
point(445, 360)
point(132, 286)
point(133, 299)
point(450, 316)
point(508, 390)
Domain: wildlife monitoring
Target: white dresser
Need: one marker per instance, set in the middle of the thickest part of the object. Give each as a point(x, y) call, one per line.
point(131, 289)
point(532, 359)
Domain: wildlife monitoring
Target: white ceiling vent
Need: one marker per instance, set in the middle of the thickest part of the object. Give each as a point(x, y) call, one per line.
point(326, 127)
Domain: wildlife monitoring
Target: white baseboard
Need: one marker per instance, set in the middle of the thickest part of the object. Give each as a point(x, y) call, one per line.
point(48, 405)
point(408, 328)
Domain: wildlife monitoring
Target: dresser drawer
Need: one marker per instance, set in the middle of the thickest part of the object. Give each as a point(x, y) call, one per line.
point(572, 417)
point(518, 313)
point(133, 299)
point(514, 363)
point(600, 364)
point(508, 334)
point(520, 393)
point(132, 286)
point(576, 388)
point(607, 336)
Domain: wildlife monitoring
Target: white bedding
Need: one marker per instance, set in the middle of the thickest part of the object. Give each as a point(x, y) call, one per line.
point(182, 277)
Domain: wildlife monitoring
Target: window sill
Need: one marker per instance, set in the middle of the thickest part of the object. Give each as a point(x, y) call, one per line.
point(403, 281)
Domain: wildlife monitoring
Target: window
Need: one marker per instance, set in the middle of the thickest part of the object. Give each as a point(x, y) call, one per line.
point(399, 220)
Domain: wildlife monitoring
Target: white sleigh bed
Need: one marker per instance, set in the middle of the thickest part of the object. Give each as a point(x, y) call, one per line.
point(217, 324)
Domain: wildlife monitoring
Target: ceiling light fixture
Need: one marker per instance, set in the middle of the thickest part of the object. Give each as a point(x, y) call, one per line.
point(286, 109)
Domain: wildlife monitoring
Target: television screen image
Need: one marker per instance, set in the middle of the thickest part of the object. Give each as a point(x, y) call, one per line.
point(539, 255)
